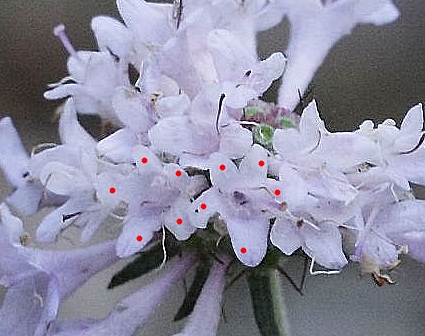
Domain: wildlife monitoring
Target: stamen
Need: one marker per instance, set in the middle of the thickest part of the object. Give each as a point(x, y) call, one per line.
point(66, 217)
point(59, 32)
point(220, 106)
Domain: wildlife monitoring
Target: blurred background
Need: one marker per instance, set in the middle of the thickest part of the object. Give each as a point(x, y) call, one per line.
point(376, 73)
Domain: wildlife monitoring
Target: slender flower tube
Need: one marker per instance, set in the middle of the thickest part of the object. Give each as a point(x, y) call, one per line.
point(134, 310)
point(205, 317)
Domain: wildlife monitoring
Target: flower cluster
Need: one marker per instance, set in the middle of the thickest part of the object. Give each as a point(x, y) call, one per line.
point(195, 153)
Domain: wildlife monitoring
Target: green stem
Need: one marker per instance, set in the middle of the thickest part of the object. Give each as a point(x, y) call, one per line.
point(268, 302)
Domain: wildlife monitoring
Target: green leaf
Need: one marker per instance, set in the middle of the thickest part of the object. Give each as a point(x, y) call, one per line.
point(263, 135)
point(267, 300)
point(194, 291)
point(143, 264)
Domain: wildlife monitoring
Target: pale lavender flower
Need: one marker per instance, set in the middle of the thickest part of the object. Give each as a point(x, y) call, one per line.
point(315, 27)
point(240, 195)
point(158, 195)
point(94, 77)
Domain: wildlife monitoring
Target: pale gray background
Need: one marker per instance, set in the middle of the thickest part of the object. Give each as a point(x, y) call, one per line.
point(375, 73)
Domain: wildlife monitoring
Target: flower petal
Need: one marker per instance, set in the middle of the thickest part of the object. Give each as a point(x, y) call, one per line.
point(13, 157)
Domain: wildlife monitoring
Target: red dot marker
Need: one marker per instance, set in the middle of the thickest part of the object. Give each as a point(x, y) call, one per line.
point(277, 192)
point(178, 173)
point(144, 160)
point(203, 206)
point(261, 163)
point(243, 250)
point(222, 167)
point(112, 190)
point(179, 221)
point(139, 238)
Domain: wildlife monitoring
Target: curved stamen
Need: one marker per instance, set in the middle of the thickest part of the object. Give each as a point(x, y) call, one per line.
point(421, 141)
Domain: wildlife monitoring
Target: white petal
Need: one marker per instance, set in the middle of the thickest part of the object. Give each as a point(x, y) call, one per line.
point(177, 135)
point(129, 108)
point(231, 57)
point(413, 121)
point(223, 172)
point(62, 179)
point(13, 157)
point(318, 27)
point(235, 141)
point(285, 236)
point(111, 35)
point(154, 16)
point(173, 106)
point(70, 130)
point(118, 146)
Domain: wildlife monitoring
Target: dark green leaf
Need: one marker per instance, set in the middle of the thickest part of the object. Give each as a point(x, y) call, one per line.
point(144, 263)
point(267, 301)
point(194, 291)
